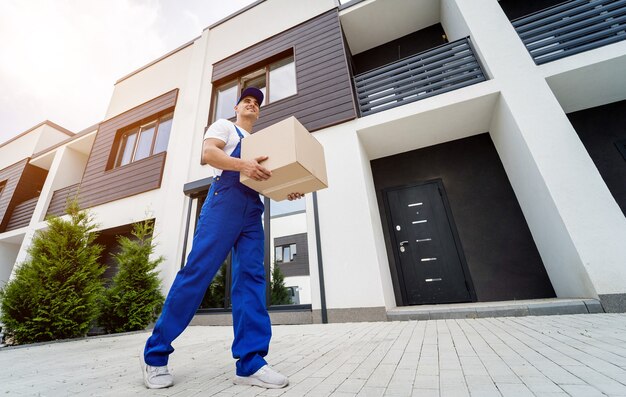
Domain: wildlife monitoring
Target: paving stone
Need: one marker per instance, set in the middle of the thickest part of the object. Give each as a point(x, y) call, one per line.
point(557, 355)
point(425, 393)
point(351, 385)
point(583, 391)
point(513, 390)
point(372, 392)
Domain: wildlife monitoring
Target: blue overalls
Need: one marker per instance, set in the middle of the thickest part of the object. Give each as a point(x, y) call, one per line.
point(230, 219)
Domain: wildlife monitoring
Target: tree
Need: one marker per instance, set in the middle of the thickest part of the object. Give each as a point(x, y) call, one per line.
point(216, 291)
point(134, 298)
point(54, 293)
point(279, 294)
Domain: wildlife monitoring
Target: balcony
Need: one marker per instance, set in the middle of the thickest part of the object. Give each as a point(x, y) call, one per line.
point(58, 203)
point(22, 213)
point(445, 68)
point(571, 28)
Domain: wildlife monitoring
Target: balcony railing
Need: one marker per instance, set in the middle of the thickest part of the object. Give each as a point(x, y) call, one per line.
point(22, 213)
point(58, 203)
point(433, 72)
point(572, 27)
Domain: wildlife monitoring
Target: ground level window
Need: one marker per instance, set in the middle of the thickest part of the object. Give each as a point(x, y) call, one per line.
point(144, 141)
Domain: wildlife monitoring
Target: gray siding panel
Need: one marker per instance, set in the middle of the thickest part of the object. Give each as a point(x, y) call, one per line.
point(300, 264)
point(101, 184)
point(23, 182)
point(11, 176)
point(324, 95)
point(22, 214)
point(59, 200)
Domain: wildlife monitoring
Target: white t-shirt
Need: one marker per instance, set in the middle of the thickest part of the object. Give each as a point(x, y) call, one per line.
point(224, 130)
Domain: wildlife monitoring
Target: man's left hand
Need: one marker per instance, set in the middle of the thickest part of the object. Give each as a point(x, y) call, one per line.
point(294, 196)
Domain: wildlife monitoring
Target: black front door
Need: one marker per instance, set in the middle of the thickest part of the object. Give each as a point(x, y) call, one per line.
point(429, 258)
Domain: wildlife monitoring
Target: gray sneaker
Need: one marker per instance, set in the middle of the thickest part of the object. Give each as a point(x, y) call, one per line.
point(155, 377)
point(266, 377)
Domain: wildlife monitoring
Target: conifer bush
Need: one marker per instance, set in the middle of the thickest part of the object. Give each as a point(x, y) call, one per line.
point(216, 291)
point(134, 298)
point(279, 294)
point(54, 294)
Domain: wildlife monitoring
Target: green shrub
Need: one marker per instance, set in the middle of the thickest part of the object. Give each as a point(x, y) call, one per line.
point(134, 298)
point(279, 294)
point(54, 293)
point(216, 291)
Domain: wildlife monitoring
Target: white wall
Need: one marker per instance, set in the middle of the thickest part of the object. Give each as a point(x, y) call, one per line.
point(8, 254)
point(577, 226)
point(67, 169)
point(596, 79)
point(157, 79)
point(288, 225)
point(49, 136)
point(569, 278)
point(34, 141)
point(261, 22)
point(352, 271)
point(19, 149)
point(304, 288)
point(183, 155)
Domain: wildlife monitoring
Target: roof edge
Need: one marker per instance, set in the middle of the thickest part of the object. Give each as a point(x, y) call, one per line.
point(159, 59)
point(234, 14)
point(80, 134)
point(45, 122)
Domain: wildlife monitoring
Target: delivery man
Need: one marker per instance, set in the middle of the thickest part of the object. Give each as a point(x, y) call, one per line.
point(230, 219)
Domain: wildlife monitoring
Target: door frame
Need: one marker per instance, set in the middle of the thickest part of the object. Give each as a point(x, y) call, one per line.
point(455, 235)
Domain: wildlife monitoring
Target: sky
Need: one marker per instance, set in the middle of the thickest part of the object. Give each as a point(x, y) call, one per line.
point(59, 59)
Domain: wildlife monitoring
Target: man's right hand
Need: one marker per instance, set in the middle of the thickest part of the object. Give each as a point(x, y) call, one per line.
point(253, 169)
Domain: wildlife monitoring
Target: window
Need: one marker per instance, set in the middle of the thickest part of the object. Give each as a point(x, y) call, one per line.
point(282, 79)
point(144, 141)
point(226, 97)
point(285, 253)
point(276, 80)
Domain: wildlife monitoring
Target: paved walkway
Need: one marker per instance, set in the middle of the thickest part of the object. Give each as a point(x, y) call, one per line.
point(576, 355)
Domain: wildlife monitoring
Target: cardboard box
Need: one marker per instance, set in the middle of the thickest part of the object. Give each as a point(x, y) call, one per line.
point(295, 158)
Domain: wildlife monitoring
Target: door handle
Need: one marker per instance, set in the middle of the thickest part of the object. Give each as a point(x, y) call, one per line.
point(403, 242)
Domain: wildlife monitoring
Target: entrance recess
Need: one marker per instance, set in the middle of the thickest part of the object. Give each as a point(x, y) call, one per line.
point(429, 258)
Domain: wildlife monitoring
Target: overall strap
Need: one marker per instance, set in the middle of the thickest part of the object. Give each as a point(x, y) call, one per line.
point(238, 132)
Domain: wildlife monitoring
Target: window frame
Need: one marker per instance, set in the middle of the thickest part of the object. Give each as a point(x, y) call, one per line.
point(237, 80)
point(139, 129)
point(292, 248)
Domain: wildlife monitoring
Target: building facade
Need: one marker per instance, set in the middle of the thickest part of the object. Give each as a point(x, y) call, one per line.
point(475, 152)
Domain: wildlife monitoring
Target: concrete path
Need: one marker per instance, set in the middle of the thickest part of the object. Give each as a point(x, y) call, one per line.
point(570, 355)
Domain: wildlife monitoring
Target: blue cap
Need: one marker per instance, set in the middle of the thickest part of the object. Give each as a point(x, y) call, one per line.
point(253, 92)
